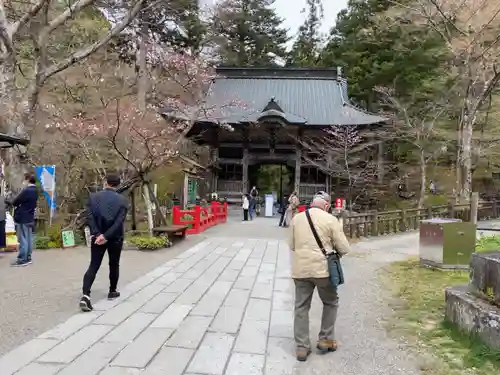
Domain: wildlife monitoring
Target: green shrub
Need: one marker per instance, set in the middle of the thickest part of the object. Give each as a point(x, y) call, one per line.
point(54, 233)
point(53, 245)
point(42, 243)
point(149, 243)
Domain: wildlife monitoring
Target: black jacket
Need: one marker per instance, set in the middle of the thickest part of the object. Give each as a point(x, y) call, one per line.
point(107, 211)
point(25, 205)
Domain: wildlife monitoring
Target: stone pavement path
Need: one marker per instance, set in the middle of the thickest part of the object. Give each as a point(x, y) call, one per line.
point(225, 306)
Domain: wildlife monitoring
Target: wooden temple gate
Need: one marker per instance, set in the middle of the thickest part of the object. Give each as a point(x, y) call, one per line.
point(280, 107)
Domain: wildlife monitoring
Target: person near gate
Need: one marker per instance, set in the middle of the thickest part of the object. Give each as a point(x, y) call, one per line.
point(292, 209)
point(24, 218)
point(254, 194)
point(310, 271)
point(3, 219)
point(106, 212)
point(245, 205)
point(283, 207)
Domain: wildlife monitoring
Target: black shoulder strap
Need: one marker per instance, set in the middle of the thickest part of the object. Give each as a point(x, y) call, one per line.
point(315, 234)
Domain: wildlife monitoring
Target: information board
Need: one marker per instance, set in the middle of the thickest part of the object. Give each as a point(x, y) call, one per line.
point(68, 238)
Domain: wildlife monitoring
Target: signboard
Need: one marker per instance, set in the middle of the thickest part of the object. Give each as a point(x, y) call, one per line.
point(339, 203)
point(68, 238)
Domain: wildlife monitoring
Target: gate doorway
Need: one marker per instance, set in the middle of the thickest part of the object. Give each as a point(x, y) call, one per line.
point(272, 179)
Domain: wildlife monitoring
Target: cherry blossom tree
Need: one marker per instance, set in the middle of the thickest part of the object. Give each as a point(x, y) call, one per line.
point(139, 140)
point(342, 152)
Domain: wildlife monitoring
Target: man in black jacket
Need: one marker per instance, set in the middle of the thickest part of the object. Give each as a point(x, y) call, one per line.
point(24, 219)
point(106, 211)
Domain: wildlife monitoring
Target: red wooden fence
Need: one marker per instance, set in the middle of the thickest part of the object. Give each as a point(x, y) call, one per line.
point(200, 219)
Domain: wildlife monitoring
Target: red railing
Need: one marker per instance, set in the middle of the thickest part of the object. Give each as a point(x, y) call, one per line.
point(200, 219)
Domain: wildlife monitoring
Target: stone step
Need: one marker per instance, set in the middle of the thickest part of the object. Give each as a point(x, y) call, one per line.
point(473, 315)
point(485, 275)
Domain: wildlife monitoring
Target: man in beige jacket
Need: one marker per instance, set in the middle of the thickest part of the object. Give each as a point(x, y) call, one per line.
point(310, 271)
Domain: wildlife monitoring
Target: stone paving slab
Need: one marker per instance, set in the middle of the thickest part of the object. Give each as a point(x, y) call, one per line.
point(223, 307)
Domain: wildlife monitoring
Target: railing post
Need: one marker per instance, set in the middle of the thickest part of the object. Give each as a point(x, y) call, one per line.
point(176, 215)
point(197, 219)
point(451, 210)
point(375, 224)
point(402, 222)
point(474, 207)
point(494, 209)
point(225, 212)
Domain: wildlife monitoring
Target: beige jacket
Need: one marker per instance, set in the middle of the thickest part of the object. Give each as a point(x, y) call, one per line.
point(308, 260)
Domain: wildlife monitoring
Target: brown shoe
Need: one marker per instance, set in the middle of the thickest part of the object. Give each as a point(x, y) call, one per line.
point(325, 346)
point(302, 354)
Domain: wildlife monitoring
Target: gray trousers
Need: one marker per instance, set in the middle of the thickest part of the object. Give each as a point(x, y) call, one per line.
point(304, 290)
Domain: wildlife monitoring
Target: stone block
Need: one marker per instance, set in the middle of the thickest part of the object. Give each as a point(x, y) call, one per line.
point(246, 364)
point(118, 313)
point(172, 316)
point(258, 309)
point(169, 361)
point(178, 286)
point(244, 282)
point(280, 358)
point(40, 369)
point(473, 315)
point(212, 355)
point(212, 300)
point(190, 332)
point(283, 301)
point(228, 319)
point(252, 337)
point(237, 298)
point(75, 345)
point(93, 360)
point(140, 351)
point(70, 326)
point(485, 274)
point(262, 290)
point(121, 371)
point(13, 361)
point(229, 275)
point(281, 324)
point(130, 328)
point(158, 303)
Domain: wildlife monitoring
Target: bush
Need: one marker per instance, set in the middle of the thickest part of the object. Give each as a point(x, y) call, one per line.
point(149, 243)
point(54, 233)
point(42, 243)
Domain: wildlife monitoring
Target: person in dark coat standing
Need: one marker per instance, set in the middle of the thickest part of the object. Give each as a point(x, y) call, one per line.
point(24, 219)
point(107, 211)
point(3, 218)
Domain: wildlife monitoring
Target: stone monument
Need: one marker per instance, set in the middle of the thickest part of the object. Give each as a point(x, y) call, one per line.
point(475, 308)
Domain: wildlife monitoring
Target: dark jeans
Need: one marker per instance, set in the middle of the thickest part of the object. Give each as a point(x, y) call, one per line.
point(25, 238)
point(282, 218)
point(97, 252)
point(245, 215)
point(3, 239)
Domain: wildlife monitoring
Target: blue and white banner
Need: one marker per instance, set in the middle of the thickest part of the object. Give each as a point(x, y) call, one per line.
point(46, 174)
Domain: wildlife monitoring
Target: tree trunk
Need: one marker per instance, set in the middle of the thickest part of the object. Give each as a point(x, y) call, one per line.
point(466, 160)
point(423, 180)
point(149, 208)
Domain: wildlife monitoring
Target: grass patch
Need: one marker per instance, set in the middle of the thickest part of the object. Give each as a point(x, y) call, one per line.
point(488, 243)
point(418, 317)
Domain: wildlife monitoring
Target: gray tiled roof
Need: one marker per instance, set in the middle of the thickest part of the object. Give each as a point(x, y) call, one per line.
point(308, 100)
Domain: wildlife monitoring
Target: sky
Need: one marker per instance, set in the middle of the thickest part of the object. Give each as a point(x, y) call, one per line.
point(293, 17)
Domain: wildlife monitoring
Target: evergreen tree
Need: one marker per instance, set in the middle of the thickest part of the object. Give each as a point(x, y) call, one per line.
point(306, 48)
point(248, 32)
point(376, 49)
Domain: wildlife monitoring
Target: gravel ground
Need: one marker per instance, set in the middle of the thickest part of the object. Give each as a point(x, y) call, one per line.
point(36, 298)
